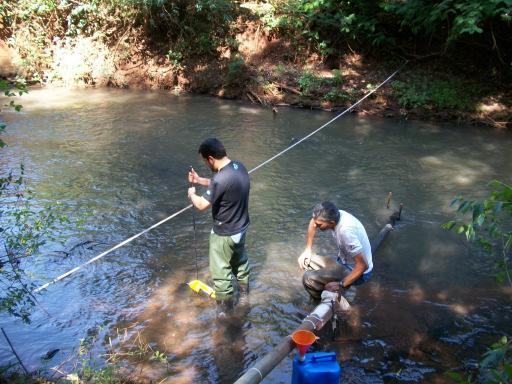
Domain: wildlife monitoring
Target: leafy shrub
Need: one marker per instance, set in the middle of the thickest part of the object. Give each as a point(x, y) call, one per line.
point(495, 367)
point(489, 225)
point(270, 88)
point(280, 69)
point(432, 94)
point(182, 28)
point(309, 82)
point(458, 17)
point(325, 25)
point(337, 77)
point(236, 71)
point(331, 27)
point(191, 28)
point(10, 90)
point(336, 96)
point(175, 57)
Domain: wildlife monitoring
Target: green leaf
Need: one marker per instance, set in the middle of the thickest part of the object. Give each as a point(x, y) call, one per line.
point(508, 370)
point(501, 277)
point(455, 376)
point(497, 207)
point(479, 220)
point(462, 229)
point(495, 184)
point(464, 206)
point(449, 225)
point(478, 209)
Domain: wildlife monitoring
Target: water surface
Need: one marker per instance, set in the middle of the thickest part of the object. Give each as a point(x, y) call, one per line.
point(122, 157)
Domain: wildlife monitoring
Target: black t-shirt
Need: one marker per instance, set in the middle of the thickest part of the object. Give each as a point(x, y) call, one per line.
point(228, 194)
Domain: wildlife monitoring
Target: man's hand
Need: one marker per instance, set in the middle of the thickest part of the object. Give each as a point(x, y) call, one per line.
point(193, 177)
point(304, 259)
point(191, 191)
point(333, 286)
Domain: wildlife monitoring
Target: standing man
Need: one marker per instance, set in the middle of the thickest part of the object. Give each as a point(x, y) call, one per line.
point(228, 196)
point(353, 264)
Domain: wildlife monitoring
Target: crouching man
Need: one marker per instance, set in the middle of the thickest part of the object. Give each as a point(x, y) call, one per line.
point(353, 264)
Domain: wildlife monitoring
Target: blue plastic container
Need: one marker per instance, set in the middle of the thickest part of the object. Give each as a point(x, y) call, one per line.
point(317, 368)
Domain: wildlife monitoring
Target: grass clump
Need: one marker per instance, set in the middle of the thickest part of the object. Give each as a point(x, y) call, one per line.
point(435, 95)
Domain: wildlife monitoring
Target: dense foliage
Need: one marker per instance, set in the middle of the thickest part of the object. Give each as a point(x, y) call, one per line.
point(181, 29)
point(414, 27)
point(177, 29)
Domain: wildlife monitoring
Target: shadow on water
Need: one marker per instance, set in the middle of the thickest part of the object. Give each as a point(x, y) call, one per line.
point(122, 156)
point(183, 326)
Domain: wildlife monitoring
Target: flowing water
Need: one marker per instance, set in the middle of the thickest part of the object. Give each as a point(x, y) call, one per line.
point(122, 157)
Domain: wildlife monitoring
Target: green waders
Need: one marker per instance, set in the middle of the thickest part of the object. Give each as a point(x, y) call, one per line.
point(227, 259)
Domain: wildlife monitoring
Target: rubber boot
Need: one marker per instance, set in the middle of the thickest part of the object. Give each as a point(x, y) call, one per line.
point(243, 305)
point(243, 299)
point(224, 308)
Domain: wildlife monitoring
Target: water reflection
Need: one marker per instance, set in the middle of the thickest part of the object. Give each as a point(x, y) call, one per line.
point(123, 157)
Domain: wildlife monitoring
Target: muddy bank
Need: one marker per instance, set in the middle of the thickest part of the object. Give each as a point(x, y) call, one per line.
point(269, 72)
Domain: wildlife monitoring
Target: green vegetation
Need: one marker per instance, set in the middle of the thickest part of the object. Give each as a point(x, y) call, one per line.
point(329, 89)
point(10, 90)
point(337, 77)
point(336, 96)
point(489, 227)
point(83, 366)
point(433, 94)
point(495, 367)
point(40, 29)
point(183, 29)
point(328, 25)
point(87, 41)
point(196, 43)
point(309, 83)
point(236, 69)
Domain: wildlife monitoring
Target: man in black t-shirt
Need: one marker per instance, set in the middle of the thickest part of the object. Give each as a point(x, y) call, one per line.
point(228, 197)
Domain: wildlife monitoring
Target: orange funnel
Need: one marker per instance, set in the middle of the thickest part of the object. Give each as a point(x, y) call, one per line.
point(303, 340)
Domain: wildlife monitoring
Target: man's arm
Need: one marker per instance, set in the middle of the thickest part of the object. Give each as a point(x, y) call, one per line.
point(198, 201)
point(305, 257)
point(311, 234)
point(355, 274)
point(194, 178)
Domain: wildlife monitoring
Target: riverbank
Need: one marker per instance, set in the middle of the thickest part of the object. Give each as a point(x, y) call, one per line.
point(267, 71)
point(286, 53)
point(408, 95)
point(428, 90)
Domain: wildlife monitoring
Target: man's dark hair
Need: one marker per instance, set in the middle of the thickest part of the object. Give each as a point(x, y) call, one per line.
point(212, 147)
point(326, 211)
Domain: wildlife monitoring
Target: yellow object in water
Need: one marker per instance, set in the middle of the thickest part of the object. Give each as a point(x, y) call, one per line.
point(201, 288)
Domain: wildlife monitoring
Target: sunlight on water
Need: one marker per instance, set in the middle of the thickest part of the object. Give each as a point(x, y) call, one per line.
point(454, 174)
